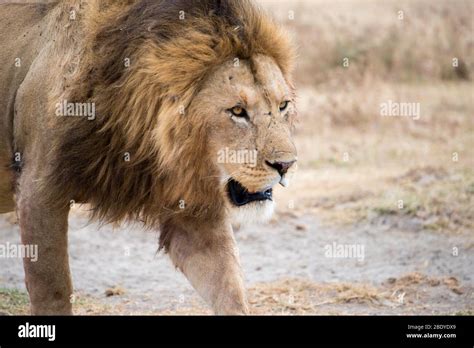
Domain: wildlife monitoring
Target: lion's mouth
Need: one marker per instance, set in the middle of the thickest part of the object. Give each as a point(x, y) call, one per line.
point(239, 195)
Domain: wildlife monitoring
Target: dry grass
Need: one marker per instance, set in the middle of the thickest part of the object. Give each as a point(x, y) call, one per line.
point(13, 301)
point(406, 294)
point(377, 42)
point(356, 164)
point(365, 167)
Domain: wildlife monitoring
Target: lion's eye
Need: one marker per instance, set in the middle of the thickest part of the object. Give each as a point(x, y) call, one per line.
point(238, 111)
point(283, 105)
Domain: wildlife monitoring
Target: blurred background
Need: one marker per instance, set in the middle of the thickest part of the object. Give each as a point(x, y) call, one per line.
point(398, 189)
point(351, 156)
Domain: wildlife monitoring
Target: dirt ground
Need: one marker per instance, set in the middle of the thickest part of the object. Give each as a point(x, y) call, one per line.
point(404, 270)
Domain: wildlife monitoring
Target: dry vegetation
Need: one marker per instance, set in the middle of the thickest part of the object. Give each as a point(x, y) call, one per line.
point(407, 294)
point(356, 164)
point(378, 42)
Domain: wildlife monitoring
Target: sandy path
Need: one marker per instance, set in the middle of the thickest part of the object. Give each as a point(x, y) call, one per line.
point(289, 248)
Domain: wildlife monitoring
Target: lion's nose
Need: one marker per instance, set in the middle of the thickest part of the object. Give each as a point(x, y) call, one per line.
point(281, 167)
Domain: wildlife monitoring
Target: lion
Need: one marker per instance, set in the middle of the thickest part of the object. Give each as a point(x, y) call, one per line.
point(178, 114)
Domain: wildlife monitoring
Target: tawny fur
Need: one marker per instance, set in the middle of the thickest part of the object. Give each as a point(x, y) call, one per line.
point(164, 111)
point(169, 60)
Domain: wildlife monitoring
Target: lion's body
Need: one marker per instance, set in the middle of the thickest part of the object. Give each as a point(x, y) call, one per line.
point(147, 152)
point(20, 28)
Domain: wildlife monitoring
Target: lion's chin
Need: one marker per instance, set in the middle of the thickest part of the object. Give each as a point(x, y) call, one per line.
point(252, 213)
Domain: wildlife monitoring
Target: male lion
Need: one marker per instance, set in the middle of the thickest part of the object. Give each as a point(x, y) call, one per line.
point(176, 113)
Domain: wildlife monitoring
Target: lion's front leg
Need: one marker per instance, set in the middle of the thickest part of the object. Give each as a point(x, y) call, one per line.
point(48, 277)
point(208, 256)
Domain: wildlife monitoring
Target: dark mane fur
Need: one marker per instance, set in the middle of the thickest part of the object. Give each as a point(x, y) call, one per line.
point(137, 106)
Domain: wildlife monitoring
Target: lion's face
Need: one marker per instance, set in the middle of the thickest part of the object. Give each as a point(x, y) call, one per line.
point(250, 108)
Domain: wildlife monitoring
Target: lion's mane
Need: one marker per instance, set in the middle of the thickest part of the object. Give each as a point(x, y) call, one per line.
point(140, 107)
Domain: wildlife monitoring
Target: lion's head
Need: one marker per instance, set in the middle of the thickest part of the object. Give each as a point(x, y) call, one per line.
point(204, 111)
point(250, 108)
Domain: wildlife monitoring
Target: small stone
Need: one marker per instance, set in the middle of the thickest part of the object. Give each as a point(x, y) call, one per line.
point(300, 227)
point(115, 291)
